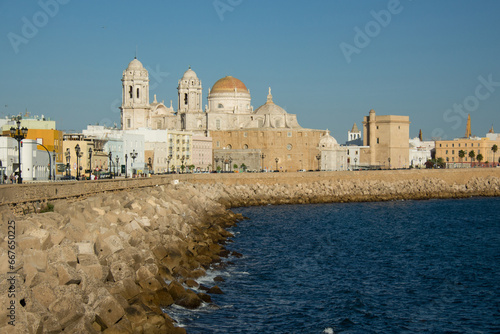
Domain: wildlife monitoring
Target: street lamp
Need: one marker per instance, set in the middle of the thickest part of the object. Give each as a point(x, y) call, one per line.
point(126, 158)
point(216, 163)
point(19, 134)
point(54, 164)
point(68, 160)
point(355, 160)
point(276, 163)
point(230, 161)
point(389, 159)
point(420, 162)
point(90, 161)
point(318, 157)
point(117, 164)
point(79, 154)
point(262, 156)
point(111, 165)
point(133, 155)
point(168, 163)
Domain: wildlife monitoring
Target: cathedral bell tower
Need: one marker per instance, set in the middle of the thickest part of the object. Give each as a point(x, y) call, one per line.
point(189, 93)
point(135, 96)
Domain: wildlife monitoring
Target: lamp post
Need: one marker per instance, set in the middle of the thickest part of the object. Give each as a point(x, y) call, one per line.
point(230, 161)
point(19, 134)
point(90, 162)
point(133, 155)
point(110, 155)
point(68, 160)
point(78, 156)
point(420, 162)
point(262, 156)
point(389, 159)
point(117, 164)
point(54, 164)
point(216, 163)
point(182, 160)
point(126, 158)
point(168, 163)
point(318, 157)
point(355, 160)
point(276, 163)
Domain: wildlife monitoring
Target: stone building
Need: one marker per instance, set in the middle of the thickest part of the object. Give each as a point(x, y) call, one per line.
point(333, 156)
point(387, 137)
point(449, 150)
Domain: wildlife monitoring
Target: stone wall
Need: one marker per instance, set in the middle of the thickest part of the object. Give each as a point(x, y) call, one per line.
point(18, 194)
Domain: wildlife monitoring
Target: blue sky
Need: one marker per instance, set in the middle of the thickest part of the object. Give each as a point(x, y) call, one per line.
point(329, 62)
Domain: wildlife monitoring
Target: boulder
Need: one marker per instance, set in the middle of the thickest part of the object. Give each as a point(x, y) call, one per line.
point(108, 311)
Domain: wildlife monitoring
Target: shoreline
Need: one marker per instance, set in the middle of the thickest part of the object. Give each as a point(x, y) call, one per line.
point(112, 260)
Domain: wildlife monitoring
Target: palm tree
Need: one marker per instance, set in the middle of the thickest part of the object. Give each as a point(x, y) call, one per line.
point(472, 154)
point(461, 155)
point(479, 157)
point(494, 148)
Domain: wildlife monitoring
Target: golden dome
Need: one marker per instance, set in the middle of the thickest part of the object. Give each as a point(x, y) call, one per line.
point(228, 84)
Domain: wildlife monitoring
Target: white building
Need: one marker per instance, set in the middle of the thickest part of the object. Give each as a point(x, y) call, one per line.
point(333, 156)
point(229, 106)
point(420, 152)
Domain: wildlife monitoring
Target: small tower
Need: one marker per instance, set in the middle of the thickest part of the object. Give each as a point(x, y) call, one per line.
point(189, 93)
point(135, 96)
point(468, 129)
point(420, 135)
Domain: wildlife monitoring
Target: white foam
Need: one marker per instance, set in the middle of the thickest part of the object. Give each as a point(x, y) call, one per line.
point(328, 331)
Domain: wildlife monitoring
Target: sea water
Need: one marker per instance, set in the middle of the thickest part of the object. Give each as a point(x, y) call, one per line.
point(389, 267)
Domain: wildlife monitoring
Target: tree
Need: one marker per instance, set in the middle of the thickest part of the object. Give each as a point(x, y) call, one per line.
point(429, 164)
point(472, 154)
point(191, 167)
point(182, 168)
point(218, 169)
point(235, 166)
point(243, 167)
point(479, 157)
point(494, 148)
point(461, 155)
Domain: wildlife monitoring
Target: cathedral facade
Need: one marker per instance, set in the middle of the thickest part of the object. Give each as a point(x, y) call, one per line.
point(229, 106)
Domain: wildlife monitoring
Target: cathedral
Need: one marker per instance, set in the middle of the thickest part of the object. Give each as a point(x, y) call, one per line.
point(229, 106)
point(267, 138)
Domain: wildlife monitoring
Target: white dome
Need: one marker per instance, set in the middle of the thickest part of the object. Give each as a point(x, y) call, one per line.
point(189, 74)
point(270, 108)
point(135, 65)
point(327, 141)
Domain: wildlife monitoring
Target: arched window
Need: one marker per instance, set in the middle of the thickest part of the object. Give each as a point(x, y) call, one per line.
point(185, 98)
point(130, 92)
point(137, 92)
point(220, 106)
point(245, 147)
point(217, 124)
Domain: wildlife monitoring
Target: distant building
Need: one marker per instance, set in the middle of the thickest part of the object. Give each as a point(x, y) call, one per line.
point(420, 152)
point(387, 138)
point(333, 156)
point(449, 150)
point(354, 137)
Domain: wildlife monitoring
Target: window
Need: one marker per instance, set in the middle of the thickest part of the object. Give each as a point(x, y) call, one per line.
point(128, 123)
point(440, 145)
point(130, 92)
point(289, 134)
point(446, 151)
point(245, 147)
point(218, 144)
point(378, 142)
point(185, 99)
point(137, 92)
point(217, 124)
point(220, 106)
point(245, 134)
point(452, 151)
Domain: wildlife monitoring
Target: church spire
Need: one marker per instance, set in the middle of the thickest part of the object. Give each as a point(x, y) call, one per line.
point(468, 129)
point(420, 135)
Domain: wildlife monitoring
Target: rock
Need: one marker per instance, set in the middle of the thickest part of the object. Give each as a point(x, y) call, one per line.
point(215, 290)
point(67, 309)
point(108, 311)
point(189, 300)
point(219, 279)
point(67, 275)
point(191, 283)
point(36, 258)
point(206, 298)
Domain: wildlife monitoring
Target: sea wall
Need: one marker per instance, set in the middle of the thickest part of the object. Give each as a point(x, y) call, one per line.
point(114, 254)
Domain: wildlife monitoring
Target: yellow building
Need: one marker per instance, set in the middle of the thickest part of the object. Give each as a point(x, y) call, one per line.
point(449, 150)
point(294, 149)
point(388, 140)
